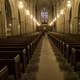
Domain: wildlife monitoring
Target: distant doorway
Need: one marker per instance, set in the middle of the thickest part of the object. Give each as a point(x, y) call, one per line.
point(44, 16)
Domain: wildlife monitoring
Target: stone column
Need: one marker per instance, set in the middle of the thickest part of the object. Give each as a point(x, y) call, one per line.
point(2, 19)
point(74, 27)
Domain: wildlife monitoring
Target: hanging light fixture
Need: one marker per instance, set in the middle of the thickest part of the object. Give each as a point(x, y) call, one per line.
point(58, 15)
point(69, 4)
point(20, 4)
point(31, 16)
point(27, 12)
point(62, 12)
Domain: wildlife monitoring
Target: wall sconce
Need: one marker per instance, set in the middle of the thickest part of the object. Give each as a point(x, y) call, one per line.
point(27, 12)
point(20, 4)
point(69, 4)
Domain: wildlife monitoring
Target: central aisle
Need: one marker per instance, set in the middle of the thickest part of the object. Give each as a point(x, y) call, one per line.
point(48, 66)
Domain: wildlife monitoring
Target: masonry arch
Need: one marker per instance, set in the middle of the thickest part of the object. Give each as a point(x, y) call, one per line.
point(79, 18)
point(8, 14)
point(14, 14)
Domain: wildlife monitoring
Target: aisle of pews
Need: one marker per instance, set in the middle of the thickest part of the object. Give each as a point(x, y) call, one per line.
point(15, 54)
point(48, 66)
point(69, 45)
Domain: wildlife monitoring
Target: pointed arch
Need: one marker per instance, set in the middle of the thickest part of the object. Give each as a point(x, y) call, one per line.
point(8, 13)
point(70, 16)
point(8, 17)
point(44, 16)
point(79, 18)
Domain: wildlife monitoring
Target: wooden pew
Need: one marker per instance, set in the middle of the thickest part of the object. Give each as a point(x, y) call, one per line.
point(27, 43)
point(13, 62)
point(61, 40)
point(34, 43)
point(67, 49)
point(19, 43)
point(65, 42)
point(16, 46)
point(3, 72)
point(75, 59)
point(20, 51)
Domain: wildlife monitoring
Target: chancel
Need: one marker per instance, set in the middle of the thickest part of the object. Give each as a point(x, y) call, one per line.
point(39, 39)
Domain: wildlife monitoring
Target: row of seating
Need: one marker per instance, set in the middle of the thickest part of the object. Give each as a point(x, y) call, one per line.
point(69, 45)
point(15, 53)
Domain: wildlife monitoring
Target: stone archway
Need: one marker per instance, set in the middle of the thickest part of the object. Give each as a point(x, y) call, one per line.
point(79, 18)
point(8, 18)
point(14, 11)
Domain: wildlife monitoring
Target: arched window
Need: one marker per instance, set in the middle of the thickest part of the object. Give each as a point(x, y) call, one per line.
point(44, 16)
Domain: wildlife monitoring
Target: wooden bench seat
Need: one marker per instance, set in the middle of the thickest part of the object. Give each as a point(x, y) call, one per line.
point(22, 53)
point(67, 49)
point(3, 72)
point(62, 39)
point(26, 43)
point(75, 59)
point(69, 45)
point(17, 45)
point(13, 62)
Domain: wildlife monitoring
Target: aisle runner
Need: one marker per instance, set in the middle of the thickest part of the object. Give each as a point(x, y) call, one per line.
point(48, 66)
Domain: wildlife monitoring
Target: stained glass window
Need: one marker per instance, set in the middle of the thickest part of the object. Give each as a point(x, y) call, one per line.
point(44, 16)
